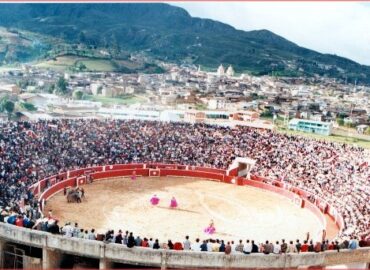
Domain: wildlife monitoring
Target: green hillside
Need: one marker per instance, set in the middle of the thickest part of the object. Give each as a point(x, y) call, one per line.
point(170, 33)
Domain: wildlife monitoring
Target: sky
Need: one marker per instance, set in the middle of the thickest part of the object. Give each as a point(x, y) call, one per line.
point(341, 28)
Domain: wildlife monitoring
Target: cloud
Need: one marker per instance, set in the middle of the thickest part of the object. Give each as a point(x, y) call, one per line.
point(341, 28)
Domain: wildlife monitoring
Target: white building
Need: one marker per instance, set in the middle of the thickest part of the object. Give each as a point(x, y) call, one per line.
point(221, 70)
point(217, 103)
point(230, 71)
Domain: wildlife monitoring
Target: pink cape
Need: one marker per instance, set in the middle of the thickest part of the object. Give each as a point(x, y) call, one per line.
point(154, 200)
point(210, 230)
point(133, 177)
point(173, 203)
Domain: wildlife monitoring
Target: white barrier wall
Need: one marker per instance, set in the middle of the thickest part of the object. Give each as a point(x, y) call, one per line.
point(54, 246)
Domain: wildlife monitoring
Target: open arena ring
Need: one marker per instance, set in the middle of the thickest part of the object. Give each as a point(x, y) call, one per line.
point(54, 246)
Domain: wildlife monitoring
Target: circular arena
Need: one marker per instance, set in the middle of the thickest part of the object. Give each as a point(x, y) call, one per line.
point(255, 185)
point(238, 212)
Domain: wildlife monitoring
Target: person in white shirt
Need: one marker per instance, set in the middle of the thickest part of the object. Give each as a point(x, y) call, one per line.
point(247, 247)
point(92, 235)
point(187, 243)
point(68, 230)
point(277, 248)
point(209, 246)
point(151, 243)
point(233, 247)
point(196, 246)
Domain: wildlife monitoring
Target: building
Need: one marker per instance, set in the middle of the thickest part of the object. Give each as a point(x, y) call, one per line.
point(311, 126)
point(230, 71)
point(217, 103)
point(221, 70)
point(10, 89)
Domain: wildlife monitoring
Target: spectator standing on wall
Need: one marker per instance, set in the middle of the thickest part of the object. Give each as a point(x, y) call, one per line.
point(222, 246)
point(311, 247)
point(138, 241)
point(353, 243)
point(247, 247)
point(119, 238)
point(228, 249)
point(254, 247)
point(291, 248)
point(196, 245)
point(151, 243)
point(240, 246)
point(170, 244)
point(156, 244)
point(125, 239)
point(203, 246)
point(277, 248)
point(187, 243)
point(318, 247)
point(68, 230)
point(304, 247)
point(298, 246)
point(54, 228)
point(216, 246)
point(267, 248)
point(92, 235)
point(284, 246)
point(131, 241)
point(76, 230)
point(209, 245)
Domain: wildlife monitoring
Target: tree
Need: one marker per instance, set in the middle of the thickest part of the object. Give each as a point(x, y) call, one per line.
point(62, 85)
point(78, 94)
point(28, 106)
point(340, 121)
point(8, 106)
point(81, 37)
point(367, 131)
point(51, 88)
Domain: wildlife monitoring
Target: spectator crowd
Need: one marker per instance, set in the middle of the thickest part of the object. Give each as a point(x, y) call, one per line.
point(30, 151)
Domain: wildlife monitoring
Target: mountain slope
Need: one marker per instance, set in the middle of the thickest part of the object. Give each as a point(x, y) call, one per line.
point(170, 33)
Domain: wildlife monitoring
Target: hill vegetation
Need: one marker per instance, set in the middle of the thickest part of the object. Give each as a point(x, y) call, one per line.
point(166, 33)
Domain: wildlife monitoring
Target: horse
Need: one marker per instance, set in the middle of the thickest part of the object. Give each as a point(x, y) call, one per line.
point(74, 195)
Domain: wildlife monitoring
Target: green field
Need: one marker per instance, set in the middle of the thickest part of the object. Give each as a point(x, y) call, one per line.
point(117, 100)
point(65, 63)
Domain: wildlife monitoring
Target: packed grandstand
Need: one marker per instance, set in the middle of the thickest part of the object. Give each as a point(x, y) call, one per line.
point(30, 151)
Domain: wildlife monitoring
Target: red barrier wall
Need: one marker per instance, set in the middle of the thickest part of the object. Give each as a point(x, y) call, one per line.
point(123, 167)
point(118, 173)
point(70, 182)
point(197, 174)
point(118, 170)
point(211, 170)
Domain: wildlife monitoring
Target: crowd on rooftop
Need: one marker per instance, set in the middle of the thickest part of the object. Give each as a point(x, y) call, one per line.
point(30, 151)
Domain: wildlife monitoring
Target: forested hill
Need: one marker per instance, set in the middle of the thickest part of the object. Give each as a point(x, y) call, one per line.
point(170, 33)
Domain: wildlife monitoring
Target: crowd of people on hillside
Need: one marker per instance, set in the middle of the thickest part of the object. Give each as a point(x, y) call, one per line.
point(30, 151)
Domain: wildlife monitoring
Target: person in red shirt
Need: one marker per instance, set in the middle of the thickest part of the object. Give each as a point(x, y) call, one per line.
point(145, 243)
point(177, 246)
point(19, 221)
point(304, 247)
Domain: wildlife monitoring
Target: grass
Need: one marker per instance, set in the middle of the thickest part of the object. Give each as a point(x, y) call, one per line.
point(116, 100)
point(63, 63)
point(100, 65)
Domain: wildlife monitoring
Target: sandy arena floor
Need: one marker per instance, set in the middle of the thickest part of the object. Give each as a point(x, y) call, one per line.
point(238, 212)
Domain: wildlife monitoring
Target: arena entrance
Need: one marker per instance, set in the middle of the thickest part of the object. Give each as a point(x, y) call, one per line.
point(241, 167)
point(16, 256)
